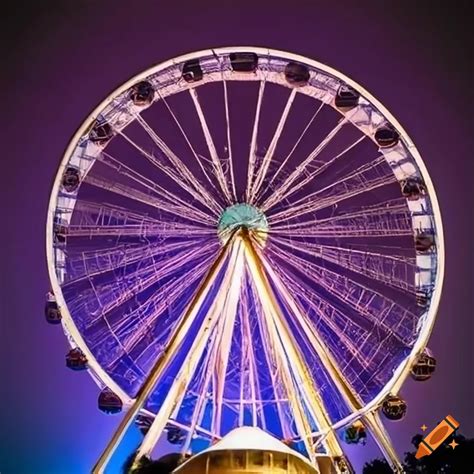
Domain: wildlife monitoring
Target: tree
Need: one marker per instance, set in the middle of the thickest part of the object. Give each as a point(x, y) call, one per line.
point(377, 466)
point(164, 465)
point(444, 460)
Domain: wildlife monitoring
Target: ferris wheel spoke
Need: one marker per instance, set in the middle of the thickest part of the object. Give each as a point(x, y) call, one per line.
point(396, 271)
point(229, 311)
point(284, 284)
point(138, 230)
point(324, 309)
point(280, 388)
point(356, 183)
point(353, 401)
point(382, 438)
point(290, 154)
point(201, 339)
point(202, 395)
point(305, 385)
point(350, 336)
point(249, 366)
point(277, 197)
point(280, 191)
point(175, 161)
point(390, 217)
point(145, 277)
point(272, 147)
point(217, 165)
point(126, 191)
point(389, 316)
point(108, 215)
point(203, 166)
point(103, 213)
point(134, 328)
point(92, 263)
point(179, 332)
point(253, 142)
point(151, 185)
point(280, 361)
point(178, 387)
point(229, 141)
point(243, 378)
point(372, 166)
point(193, 188)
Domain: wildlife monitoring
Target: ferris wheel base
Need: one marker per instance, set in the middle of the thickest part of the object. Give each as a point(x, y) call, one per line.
point(251, 450)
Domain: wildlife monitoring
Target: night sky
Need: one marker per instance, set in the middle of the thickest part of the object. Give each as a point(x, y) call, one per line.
point(61, 58)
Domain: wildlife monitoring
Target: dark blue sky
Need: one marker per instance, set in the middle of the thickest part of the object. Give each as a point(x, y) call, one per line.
point(61, 58)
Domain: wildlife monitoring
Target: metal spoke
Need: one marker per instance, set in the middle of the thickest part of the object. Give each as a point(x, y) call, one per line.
point(229, 141)
point(280, 191)
point(386, 218)
point(180, 383)
point(229, 312)
point(306, 384)
point(217, 165)
point(358, 296)
point(151, 185)
point(271, 361)
point(248, 353)
point(174, 344)
point(395, 271)
point(356, 183)
point(253, 142)
point(278, 196)
point(194, 188)
point(271, 149)
point(199, 160)
point(290, 154)
point(126, 191)
point(174, 160)
point(144, 278)
point(119, 256)
point(202, 399)
point(133, 328)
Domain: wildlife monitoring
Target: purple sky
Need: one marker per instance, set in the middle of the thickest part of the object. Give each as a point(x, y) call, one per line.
point(63, 58)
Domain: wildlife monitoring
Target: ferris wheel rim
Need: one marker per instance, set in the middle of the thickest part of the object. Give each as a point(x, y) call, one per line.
point(101, 376)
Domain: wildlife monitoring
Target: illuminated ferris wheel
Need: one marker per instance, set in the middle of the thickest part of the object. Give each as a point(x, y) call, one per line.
point(243, 236)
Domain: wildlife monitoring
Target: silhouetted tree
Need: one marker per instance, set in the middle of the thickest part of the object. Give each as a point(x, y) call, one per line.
point(164, 465)
point(377, 466)
point(444, 460)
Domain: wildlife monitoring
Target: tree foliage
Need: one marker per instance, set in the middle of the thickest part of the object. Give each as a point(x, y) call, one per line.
point(444, 460)
point(164, 465)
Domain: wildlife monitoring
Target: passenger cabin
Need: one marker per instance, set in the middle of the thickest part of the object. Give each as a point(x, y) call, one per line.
point(101, 133)
point(346, 98)
point(51, 310)
point(244, 62)
point(297, 74)
point(394, 408)
point(71, 179)
point(423, 368)
point(192, 71)
point(109, 402)
point(142, 94)
point(386, 136)
point(76, 359)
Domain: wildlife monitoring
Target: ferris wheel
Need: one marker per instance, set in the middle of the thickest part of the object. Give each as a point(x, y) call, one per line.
point(244, 236)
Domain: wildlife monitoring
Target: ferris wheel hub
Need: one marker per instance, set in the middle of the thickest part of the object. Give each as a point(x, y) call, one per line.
point(245, 216)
